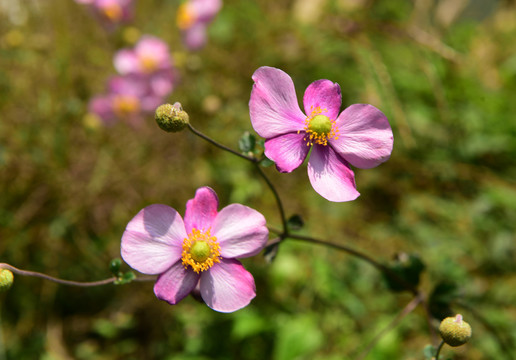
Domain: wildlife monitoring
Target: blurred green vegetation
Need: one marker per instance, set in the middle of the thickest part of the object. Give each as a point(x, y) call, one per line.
point(444, 72)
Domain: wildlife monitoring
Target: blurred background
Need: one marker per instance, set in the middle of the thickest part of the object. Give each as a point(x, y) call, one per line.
point(444, 73)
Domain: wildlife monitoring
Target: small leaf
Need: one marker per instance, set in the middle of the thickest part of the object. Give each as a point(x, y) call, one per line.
point(441, 299)
point(295, 222)
point(270, 252)
point(247, 142)
point(408, 267)
point(266, 162)
point(429, 352)
point(125, 278)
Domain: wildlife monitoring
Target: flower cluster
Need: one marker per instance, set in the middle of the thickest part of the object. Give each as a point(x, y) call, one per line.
point(197, 253)
point(110, 12)
point(193, 17)
point(146, 77)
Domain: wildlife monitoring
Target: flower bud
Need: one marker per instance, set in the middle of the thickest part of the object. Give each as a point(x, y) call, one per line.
point(455, 331)
point(171, 118)
point(6, 279)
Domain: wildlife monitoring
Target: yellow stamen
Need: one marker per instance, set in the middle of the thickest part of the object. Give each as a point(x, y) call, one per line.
point(125, 105)
point(319, 128)
point(185, 17)
point(149, 63)
point(200, 250)
point(113, 12)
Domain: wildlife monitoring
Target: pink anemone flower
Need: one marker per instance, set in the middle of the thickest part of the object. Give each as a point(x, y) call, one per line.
point(360, 135)
point(193, 17)
point(149, 58)
point(110, 12)
point(197, 252)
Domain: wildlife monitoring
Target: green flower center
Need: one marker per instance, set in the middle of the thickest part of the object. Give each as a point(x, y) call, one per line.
point(320, 125)
point(200, 251)
point(319, 128)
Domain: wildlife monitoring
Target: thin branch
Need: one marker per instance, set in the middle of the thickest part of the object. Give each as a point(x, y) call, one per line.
point(439, 350)
point(66, 282)
point(406, 310)
point(220, 146)
point(278, 201)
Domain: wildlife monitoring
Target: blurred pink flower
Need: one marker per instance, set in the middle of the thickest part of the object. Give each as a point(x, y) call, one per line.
point(110, 12)
point(198, 252)
point(360, 135)
point(151, 58)
point(128, 98)
point(193, 17)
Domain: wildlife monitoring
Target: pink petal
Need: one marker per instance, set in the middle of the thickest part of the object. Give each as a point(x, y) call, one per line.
point(175, 284)
point(330, 175)
point(287, 151)
point(154, 47)
point(227, 286)
point(240, 231)
point(153, 239)
point(201, 210)
point(126, 62)
point(195, 37)
point(325, 95)
point(365, 136)
point(273, 107)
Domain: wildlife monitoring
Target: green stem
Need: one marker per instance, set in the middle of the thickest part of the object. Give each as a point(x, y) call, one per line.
point(256, 162)
point(65, 282)
point(220, 146)
point(439, 350)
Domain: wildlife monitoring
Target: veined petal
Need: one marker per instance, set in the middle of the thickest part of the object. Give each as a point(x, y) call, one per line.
point(240, 231)
point(201, 210)
point(227, 286)
point(288, 151)
point(273, 107)
point(175, 284)
point(330, 175)
point(152, 241)
point(324, 95)
point(365, 136)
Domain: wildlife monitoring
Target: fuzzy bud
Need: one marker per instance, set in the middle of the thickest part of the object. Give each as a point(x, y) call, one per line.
point(171, 118)
point(6, 279)
point(455, 331)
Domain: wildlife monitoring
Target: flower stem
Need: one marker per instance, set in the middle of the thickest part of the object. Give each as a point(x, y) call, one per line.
point(439, 350)
point(220, 146)
point(65, 282)
point(256, 162)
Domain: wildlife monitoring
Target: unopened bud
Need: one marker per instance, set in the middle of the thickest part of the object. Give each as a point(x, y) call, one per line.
point(6, 279)
point(455, 331)
point(171, 118)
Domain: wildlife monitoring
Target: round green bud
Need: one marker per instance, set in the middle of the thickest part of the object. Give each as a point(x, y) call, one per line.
point(171, 118)
point(455, 331)
point(6, 279)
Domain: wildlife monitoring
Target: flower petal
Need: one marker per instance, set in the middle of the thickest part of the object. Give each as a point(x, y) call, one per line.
point(287, 151)
point(323, 94)
point(227, 286)
point(175, 284)
point(365, 136)
point(126, 62)
point(273, 107)
point(152, 241)
point(201, 210)
point(240, 231)
point(330, 175)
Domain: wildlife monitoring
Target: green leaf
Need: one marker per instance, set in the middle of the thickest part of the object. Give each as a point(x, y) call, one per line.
point(247, 142)
point(125, 278)
point(407, 267)
point(114, 266)
point(295, 222)
point(441, 299)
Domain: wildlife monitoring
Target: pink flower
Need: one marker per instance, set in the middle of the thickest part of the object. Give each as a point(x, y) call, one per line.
point(150, 58)
point(193, 17)
point(128, 98)
point(360, 135)
point(199, 251)
point(110, 12)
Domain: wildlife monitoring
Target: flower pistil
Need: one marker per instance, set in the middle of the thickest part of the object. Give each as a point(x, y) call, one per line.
point(319, 128)
point(200, 250)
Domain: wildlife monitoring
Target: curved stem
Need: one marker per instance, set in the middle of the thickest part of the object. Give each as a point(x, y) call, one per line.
point(439, 350)
point(278, 201)
point(62, 281)
point(254, 161)
point(220, 146)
